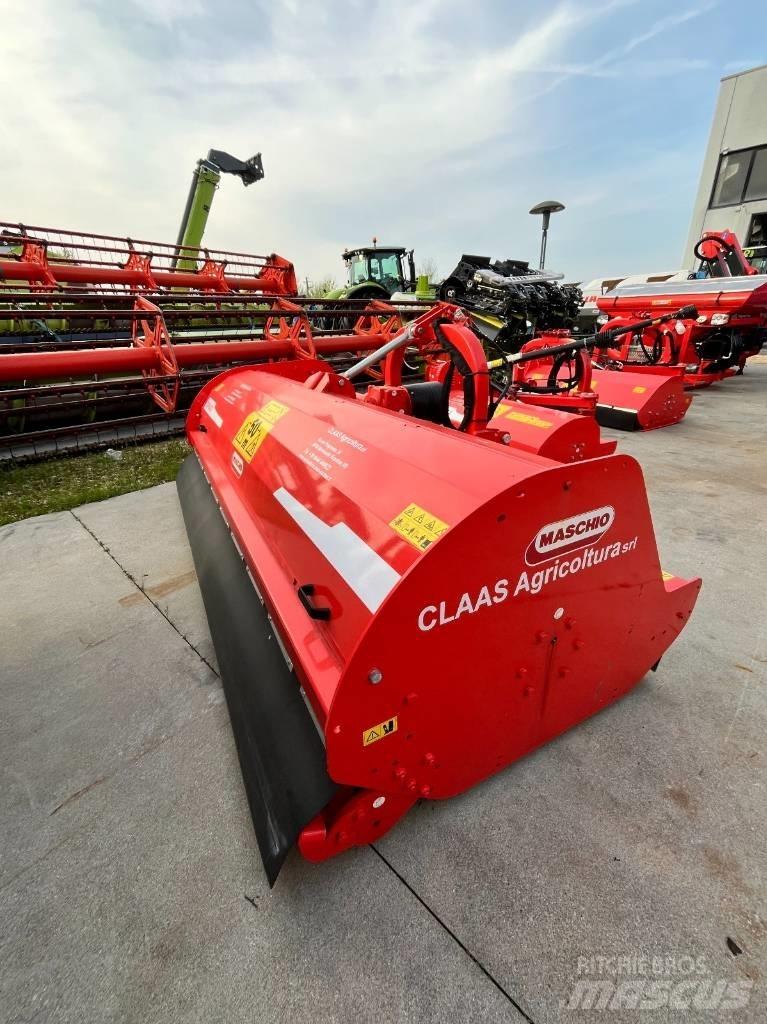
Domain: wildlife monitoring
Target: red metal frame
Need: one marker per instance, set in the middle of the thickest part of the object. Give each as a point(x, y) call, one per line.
point(150, 332)
point(380, 320)
point(49, 257)
point(287, 334)
point(581, 399)
point(716, 246)
point(560, 434)
point(292, 325)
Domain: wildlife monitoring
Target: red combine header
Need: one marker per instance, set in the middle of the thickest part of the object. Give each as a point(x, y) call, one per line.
point(48, 258)
point(168, 349)
point(403, 599)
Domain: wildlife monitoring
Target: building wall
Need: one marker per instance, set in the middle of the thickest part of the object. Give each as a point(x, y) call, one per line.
point(740, 121)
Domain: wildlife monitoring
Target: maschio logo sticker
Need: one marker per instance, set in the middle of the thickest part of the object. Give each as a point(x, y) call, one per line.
point(568, 535)
point(237, 464)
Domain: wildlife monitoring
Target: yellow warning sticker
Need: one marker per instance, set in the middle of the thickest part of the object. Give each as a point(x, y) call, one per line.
point(531, 421)
point(273, 411)
point(639, 390)
point(667, 575)
point(255, 428)
point(377, 732)
point(418, 526)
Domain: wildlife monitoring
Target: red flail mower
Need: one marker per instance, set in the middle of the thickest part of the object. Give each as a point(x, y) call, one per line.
point(574, 380)
point(406, 591)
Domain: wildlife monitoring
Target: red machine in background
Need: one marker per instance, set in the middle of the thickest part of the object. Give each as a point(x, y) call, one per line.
point(720, 255)
point(286, 331)
point(403, 599)
point(576, 381)
point(47, 258)
point(729, 326)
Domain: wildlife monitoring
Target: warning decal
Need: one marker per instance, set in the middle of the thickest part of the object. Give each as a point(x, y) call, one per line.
point(418, 526)
point(667, 575)
point(256, 426)
point(212, 411)
point(639, 390)
point(531, 421)
point(377, 732)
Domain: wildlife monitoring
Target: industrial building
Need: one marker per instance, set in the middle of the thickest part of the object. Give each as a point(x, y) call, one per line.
point(733, 184)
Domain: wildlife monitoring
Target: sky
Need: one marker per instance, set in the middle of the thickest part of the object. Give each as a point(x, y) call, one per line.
point(429, 124)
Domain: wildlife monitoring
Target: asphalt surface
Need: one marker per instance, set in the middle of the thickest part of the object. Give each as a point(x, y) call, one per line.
point(630, 852)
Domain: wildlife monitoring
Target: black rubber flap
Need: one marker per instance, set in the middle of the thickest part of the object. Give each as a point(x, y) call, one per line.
point(619, 419)
point(281, 754)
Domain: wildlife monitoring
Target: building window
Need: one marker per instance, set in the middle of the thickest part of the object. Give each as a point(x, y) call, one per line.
point(756, 186)
point(740, 177)
point(757, 232)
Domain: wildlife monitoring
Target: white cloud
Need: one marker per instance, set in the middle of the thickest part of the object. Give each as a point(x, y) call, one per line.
point(168, 12)
point(666, 24)
point(382, 122)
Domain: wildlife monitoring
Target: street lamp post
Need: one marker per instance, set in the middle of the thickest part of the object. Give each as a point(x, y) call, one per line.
point(545, 210)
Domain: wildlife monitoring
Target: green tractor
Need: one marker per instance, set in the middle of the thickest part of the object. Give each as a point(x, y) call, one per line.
point(379, 273)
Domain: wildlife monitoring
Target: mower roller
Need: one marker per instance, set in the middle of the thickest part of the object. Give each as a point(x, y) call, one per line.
point(403, 603)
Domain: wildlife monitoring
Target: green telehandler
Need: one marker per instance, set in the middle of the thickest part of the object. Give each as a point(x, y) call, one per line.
point(207, 175)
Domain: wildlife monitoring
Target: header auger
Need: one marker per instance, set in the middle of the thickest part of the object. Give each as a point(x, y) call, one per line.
point(404, 599)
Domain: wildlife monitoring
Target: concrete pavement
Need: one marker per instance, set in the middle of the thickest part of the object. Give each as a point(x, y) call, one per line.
point(130, 883)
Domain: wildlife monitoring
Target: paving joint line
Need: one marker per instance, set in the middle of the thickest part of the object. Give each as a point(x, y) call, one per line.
point(377, 852)
point(526, 1016)
point(138, 586)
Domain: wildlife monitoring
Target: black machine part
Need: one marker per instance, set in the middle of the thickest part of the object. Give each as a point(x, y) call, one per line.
point(282, 756)
point(511, 291)
point(249, 171)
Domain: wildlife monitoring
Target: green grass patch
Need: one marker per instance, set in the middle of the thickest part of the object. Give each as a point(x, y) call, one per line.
point(60, 484)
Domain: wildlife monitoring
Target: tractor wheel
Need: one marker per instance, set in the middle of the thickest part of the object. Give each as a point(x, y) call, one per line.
point(366, 292)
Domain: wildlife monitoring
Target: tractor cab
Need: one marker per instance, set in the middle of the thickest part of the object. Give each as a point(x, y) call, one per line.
point(384, 267)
